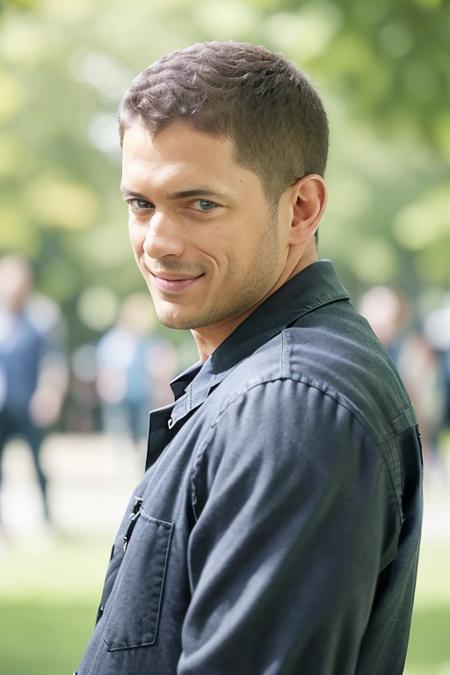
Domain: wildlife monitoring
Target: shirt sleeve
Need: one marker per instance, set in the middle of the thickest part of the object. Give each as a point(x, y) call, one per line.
point(295, 520)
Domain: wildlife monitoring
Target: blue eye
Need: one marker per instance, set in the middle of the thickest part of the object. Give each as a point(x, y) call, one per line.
point(205, 205)
point(139, 204)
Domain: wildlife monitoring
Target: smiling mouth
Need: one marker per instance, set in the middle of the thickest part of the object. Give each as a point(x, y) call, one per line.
point(172, 283)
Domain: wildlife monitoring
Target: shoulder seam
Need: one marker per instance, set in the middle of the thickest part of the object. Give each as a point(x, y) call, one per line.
point(306, 381)
point(326, 391)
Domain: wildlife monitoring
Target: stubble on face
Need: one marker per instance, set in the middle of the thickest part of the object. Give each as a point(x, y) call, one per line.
point(242, 288)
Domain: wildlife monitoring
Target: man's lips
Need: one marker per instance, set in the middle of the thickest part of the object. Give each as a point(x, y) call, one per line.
point(170, 281)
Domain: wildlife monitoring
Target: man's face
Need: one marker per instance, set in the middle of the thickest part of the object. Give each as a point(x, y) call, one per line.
point(201, 228)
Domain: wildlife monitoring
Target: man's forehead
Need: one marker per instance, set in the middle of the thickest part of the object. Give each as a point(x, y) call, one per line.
point(175, 179)
point(173, 140)
point(179, 158)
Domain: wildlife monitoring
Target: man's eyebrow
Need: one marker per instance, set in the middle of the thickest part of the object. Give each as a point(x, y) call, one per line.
point(130, 193)
point(193, 192)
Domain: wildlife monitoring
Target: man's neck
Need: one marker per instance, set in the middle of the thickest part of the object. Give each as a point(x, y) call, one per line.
point(208, 338)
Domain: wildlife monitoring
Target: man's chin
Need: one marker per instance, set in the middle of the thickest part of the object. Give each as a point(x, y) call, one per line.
point(176, 320)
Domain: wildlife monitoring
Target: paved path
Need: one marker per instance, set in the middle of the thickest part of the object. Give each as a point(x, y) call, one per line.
point(91, 479)
point(90, 482)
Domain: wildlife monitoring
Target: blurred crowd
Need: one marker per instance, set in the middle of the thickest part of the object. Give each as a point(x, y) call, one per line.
point(111, 383)
point(115, 381)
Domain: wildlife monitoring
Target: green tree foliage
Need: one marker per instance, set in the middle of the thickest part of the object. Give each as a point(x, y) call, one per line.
point(382, 68)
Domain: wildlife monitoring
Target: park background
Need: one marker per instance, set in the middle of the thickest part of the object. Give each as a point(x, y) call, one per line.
point(382, 69)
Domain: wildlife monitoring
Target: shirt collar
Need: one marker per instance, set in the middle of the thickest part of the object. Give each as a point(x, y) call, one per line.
point(313, 287)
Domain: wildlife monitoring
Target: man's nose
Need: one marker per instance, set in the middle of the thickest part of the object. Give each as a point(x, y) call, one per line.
point(163, 237)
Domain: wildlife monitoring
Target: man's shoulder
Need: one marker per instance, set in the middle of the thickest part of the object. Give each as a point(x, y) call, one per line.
point(332, 350)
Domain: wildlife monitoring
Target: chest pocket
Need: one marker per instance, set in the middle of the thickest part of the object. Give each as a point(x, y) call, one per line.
point(132, 618)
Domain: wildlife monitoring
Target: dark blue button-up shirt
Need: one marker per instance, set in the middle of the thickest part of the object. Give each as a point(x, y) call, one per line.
point(276, 529)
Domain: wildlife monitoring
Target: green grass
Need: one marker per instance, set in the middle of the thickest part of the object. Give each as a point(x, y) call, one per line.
point(48, 603)
point(49, 596)
point(43, 637)
point(429, 645)
point(429, 652)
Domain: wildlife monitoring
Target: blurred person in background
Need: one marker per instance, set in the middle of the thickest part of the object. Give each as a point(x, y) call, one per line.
point(33, 371)
point(134, 368)
point(437, 333)
point(390, 315)
point(277, 527)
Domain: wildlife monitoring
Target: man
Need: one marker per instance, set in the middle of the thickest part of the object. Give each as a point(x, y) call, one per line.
point(134, 368)
point(33, 373)
point(276, 529)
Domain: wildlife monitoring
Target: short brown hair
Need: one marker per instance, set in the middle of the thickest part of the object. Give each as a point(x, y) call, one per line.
point(263, 103)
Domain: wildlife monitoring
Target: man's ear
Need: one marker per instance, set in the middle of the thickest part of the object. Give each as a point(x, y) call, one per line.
point(309, 198)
